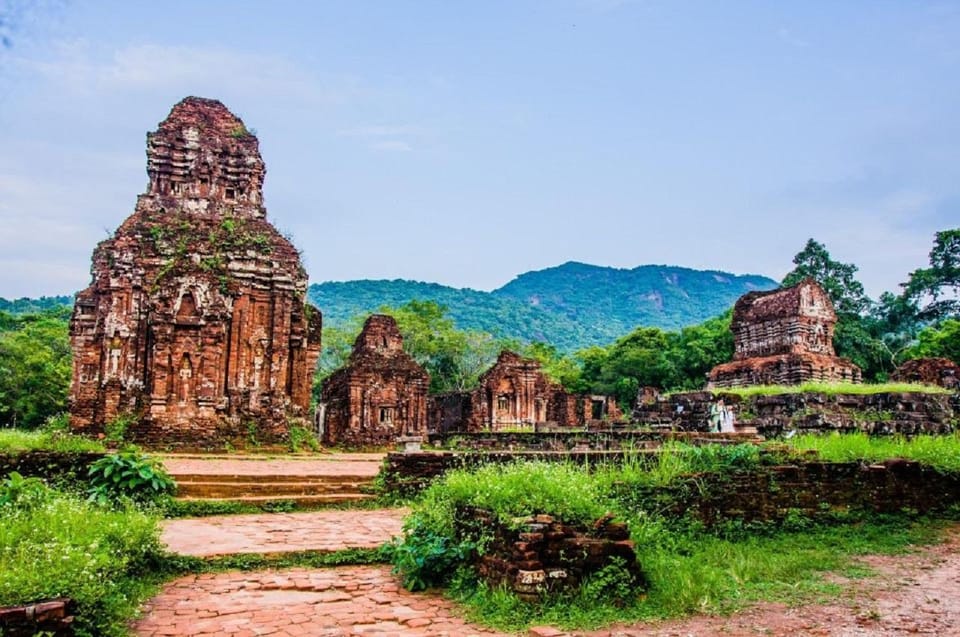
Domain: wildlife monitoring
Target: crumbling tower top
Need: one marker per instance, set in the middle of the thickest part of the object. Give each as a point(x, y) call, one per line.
point(201, 154)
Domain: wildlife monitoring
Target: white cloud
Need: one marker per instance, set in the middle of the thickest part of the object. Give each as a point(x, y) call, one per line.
point(85, 68)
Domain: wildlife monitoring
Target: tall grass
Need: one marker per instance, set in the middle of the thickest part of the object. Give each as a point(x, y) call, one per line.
point(692, 571)
point(831, 389)
point(512, 491)
point(57, 545)
point(13, 441)
point(940, 451)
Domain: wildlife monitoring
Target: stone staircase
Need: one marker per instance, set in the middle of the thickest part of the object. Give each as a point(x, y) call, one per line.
point(304, 481)
point(303, 490)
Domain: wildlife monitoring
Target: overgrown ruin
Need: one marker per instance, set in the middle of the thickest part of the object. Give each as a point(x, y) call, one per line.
point(381, 393)
point(942, 372)
point(195, 323)
point(515, 393)
point(784, 337)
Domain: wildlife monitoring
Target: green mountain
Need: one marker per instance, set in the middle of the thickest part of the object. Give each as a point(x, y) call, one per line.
point(571, 306)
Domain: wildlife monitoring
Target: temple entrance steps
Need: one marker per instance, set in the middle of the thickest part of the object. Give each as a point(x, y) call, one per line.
point(275, 487)
point(303, 480)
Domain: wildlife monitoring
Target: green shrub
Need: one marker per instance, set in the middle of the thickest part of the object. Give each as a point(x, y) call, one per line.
point(513, 491)
point(65, 547)
point(129, 475)
point(115, 431)
point(425, 559)
point(302, 438)
point(613, 584)
point(23, 493)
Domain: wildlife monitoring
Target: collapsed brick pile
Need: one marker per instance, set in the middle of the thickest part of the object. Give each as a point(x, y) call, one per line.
point(540, 554)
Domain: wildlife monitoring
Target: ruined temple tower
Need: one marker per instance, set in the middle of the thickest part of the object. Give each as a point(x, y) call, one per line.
point(195, 322)
point(784, 337)
point(381, 393)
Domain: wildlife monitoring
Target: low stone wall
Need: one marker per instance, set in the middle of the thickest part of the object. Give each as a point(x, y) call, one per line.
point(881, 413)
point(57, 466)
point(812, 489)
point(52, 617)
point(541, 554)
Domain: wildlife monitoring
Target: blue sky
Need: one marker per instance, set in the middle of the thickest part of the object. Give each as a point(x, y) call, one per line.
point(467, 142)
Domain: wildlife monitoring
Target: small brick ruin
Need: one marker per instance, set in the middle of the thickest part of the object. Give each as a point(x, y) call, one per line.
point(942, 372)
point(381, 393)
point(196, 322)
point(808, 412)
point(784, 337)
point(53, 618)
point(515, 393)
point(539, 554)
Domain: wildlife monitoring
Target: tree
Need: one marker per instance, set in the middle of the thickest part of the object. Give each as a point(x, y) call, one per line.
point(697, 349)
point(940, 341)
point(938, 285)
point(557, 367)
point(638, 359)
point(837, 278)
point(35, 368)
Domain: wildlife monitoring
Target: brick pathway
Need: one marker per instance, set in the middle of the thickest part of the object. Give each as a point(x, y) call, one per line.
point(282, 532)
point(334, 464)
point(357, 600)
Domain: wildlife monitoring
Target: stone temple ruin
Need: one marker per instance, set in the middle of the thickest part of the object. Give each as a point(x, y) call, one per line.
point(195, 322)
point(929, 371)
point(515, 393)
point(381, 393)
point(784, 337)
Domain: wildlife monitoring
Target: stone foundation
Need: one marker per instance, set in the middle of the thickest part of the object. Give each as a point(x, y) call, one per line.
point(882, 413)
point(785, 369)
point(811, 489)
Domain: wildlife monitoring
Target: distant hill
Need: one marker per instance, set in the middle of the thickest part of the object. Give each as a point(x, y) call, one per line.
point(572, 305)
point(31, 306)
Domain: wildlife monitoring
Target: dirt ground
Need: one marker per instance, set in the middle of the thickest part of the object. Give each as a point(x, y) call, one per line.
point(913, 594)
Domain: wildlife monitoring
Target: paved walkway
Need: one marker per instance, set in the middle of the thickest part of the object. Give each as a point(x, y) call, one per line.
point(329, 530)
point(334, 464)
point(358, 600)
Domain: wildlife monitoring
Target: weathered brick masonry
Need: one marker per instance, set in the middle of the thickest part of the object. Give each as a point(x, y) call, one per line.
point(379, 395)
point(195, 322)
point(881, 413)
point(784, 337)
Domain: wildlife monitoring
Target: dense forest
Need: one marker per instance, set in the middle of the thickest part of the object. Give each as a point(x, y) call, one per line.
point(921, 319)
point(571, 306)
